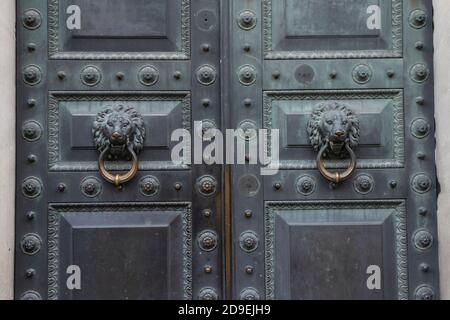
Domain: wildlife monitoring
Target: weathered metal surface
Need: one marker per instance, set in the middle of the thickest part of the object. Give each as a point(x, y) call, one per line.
point(233, 64)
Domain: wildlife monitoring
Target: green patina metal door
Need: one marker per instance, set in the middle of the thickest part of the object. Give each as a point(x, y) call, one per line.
point(351, 214)
point(344, 88)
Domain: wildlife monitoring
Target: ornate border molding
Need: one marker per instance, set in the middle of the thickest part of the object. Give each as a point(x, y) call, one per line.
point(54, 215)
point(396, 95)
point(55, 52)
point(395, 52)
point(399, 211)
point(54, 159)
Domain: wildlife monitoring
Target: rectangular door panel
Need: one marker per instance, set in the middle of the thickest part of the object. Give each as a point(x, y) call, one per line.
point(136, 29)
point(323, 250)
point(126, 251)
point(309, 29)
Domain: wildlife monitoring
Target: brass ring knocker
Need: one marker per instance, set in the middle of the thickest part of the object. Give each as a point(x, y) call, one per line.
point(336, 177)
point(117, 179)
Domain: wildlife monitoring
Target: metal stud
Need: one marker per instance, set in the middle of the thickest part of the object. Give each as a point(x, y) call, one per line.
point(419, 45)
point(248, 241)
point(178, 186)
point(206, 103)
point(31, 103)
point(247, 75)
point(32, 75)
point(247, 20)
point(424, 267)
point(61, 187)
point(419, 73)
point(31, 187)
point(120, 76)
point(148, 75)
point(61, 75)
point(249, 270)
point(333, 74)
point(31, 244)
point(207, 213)
point(177, 75)
point(205, 47)
point(248, 213)
point(277, 186)
point(423, 211)
point(207, 269)
point(393, 184)
point(418, 19)
point(31, 47)
point(90, 76)
point(207, 240)
point(29, 273)
point(31, 215)
point(32, 19)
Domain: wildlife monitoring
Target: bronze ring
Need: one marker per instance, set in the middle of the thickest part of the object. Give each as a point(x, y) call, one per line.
point(117, 179)
point(336, 177)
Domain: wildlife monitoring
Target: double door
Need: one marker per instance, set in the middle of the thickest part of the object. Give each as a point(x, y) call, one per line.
point(125, 192)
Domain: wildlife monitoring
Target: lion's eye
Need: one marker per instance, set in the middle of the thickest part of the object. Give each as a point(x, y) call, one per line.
point(330, 122)
point(126, 124)
point(344, 122)
point(110, 123)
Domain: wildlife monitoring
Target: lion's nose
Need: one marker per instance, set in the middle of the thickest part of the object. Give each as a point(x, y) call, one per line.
point(116, 136)
point(339, 133)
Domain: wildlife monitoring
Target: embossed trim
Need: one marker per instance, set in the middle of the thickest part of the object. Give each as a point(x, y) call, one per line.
point(401, 240)
point(398, 127)
point(54, 157)
point(55, 52)
point(395, 52)
point(54, 215)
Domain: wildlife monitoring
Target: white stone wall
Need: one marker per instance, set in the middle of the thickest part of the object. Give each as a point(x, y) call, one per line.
point(7, 133)
point(442, 94)
point(7, 155)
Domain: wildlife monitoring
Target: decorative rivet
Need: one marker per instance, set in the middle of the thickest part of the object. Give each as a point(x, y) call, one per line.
point(61, 187)
point(362, 73)
point(248, 130)
point(31, 243)
point(421, 183)
point(206, 103)
point(149, 186)
point(207, 213)
point(247, 20)
point(207, 240)
point(31, 158)
point(418, 19)
point(249, 294)
point(207, 269)
point(178, 186)
point(31, 187)
point(423, 211)
point(420, 128)
point(248, 241)
point(31, 103)
point(423, 239)
point(393, 184)
point(420, 101)
point(419, 45)
point(305, 185)
point(247, 75)
point(31, 215)
point(424, 267)
point(247, 47)
point(419, 73)
point(61, 75)
point(31, 130)
point(364, 184)
point(207, 185)
point(249, 270)
point(31, 19)
point(248, 213)
point(277, 186)
point(276, 75)
point(29, 273)
point(424, 293)
point(206, 75)
point(30, 295)
point(205, 47)
point(390, 73)
point(421, 156)
point(90, 76)
point(120, 76)
point(148, 75)
point(177, 75)
point(248, 102)
point(31, 47)
point(333, 74)
point(91, 187)
point(208, 294)
point(32, 75)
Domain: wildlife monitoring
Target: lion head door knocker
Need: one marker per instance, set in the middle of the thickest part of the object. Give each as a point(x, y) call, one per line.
point(334, 133)
point(119, 134)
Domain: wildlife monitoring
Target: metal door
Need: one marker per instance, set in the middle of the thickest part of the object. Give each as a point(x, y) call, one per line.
point(90, 75)
point(351, 214)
